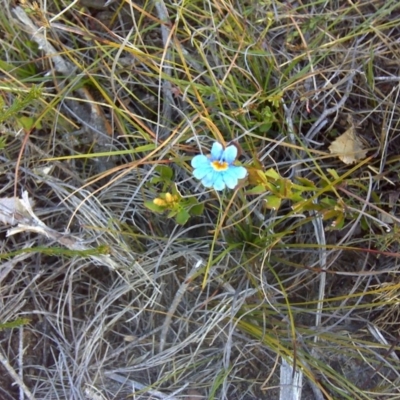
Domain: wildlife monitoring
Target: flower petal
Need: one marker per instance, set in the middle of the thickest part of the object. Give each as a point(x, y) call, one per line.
point(199, 161)
point(219, 183)
point(216, 151)
point(233, 174)
point(240, 172)
point(230, 154)
point(230, 179)
point(209, 179)
point(200, 173)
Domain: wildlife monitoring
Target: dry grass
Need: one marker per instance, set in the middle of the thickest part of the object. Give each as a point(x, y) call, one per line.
point(101, 298)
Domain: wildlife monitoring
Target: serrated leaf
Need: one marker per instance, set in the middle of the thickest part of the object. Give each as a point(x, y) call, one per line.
point(256, 190)
point(271, 173)
point(307, 183)
point(296, 197)
point(256, 176)
point(285, 188)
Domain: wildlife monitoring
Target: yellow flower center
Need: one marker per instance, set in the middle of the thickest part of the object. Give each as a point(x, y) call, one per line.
point(220, 165)
point(159, 202)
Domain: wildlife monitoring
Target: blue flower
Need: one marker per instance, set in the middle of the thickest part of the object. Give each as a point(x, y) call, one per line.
point(217, 170)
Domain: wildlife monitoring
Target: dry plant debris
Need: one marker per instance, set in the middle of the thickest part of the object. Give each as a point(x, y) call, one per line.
point(348, 147)
point(103, 298)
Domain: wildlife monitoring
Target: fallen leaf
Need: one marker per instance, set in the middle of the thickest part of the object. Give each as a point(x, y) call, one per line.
point(348, 147)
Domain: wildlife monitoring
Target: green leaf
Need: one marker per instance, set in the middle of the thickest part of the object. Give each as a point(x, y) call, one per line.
point(339, 222)
point(329, 214)
point(172, 213)
point(271, 173)
point(265, 127)
point(273, 202)
point(275, 99)
point(14, 324)
point(21, 103)
point(176, 192)
point(182, 217)
point(27, 123)
point(333, 173)
point(28, 70)
point(307, 183)
point(327, 201)
point(5, 66)
point(305, 205)
point(256, 176)
point(197, 209)
point(364, 224)
point(156, 180)
point(285, 188)
point(2, 143)
point(154, 207)
point(268, 115)
point(296, 197)
point(165, 172)
point(256, 190)
point(144, 148)
point(191, 201)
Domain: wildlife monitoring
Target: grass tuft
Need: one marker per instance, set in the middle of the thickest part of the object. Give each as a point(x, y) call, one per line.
point(122, 275)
